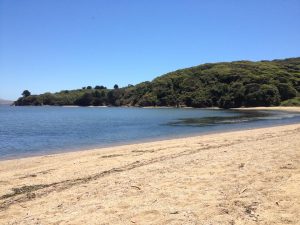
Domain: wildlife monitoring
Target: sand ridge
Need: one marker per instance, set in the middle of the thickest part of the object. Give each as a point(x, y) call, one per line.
point(241, 177)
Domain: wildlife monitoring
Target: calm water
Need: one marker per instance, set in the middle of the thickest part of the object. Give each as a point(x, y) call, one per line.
point(26, 131)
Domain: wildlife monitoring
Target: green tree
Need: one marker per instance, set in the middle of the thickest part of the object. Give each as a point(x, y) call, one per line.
point(226, 102)
point(111, 98)
point(261, 95)
point(85, 100)
point(199, 100)
point(148, 100)
point(100, 87)
point(286, 91)
point(48, 99)
point(26, 93)
point(99, 98)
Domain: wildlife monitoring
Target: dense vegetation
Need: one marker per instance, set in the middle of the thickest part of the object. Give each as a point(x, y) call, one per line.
point(291, 102)
point(224, 85)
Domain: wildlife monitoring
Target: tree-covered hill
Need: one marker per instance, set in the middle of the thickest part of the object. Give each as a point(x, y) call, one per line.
point(224, 85)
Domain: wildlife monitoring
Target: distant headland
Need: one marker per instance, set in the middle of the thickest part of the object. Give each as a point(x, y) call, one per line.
point(5, 102)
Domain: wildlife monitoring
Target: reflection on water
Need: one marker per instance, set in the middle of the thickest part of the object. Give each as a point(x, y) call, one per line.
point(241, 117)
point(247, 116)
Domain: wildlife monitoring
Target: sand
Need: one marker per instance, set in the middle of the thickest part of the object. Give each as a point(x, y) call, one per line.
point(278, 108)
point(241, 177)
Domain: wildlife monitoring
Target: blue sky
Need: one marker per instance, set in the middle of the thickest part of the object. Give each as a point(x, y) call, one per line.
point(50, 45)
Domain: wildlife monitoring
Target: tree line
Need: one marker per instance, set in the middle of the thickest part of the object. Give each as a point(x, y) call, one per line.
point(224, 85)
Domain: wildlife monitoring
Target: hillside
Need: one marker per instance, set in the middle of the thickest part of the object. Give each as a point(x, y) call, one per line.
point(224, 85)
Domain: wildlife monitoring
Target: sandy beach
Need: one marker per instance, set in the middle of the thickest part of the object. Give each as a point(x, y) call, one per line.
point(240, 177)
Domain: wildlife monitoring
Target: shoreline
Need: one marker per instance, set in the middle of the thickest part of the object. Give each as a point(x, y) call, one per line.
point(284, 108)
point(144, 141)
point(272, 108)
point(149, 140)
point(258, 170)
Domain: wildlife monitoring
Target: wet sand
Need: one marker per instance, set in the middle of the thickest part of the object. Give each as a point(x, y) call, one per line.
point(240, 177)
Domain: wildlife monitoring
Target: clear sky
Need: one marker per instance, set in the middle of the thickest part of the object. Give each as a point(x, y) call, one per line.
point(50, 45)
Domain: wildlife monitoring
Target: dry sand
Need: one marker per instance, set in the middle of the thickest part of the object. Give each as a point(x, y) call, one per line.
point(241, 177)
point(278, 108)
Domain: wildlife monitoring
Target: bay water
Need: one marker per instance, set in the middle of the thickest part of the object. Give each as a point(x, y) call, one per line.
point(28, 131)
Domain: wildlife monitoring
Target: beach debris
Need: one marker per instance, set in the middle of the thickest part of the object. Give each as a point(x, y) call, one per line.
point(27, 176)
point(111, 156)
point(30, 195)
point(23, 190)
point(133, 186)
point(243, 190)
point(251, 209)
point(224, 211)
point(231, 222)
point(288, 166)
point(242, 165)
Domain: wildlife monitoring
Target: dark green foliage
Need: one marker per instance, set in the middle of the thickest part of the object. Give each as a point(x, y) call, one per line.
point(99, 98)
point(291, 102)
point(114, 97)
point(286, 91)
point(226, 102)
point(261, 95)
point(100, 87)
point(225, 85)
point(48, 99)
point(26, 93)
point(85, 100)
point(147, 100)
point(30, 100)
